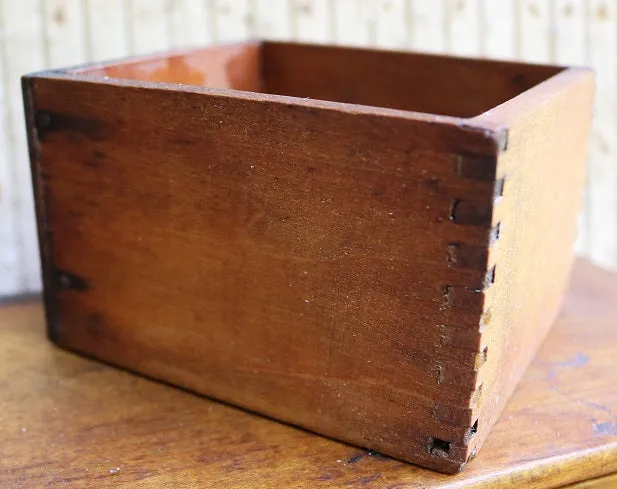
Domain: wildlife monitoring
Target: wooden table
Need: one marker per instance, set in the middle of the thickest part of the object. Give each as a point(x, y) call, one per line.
point(69, 422)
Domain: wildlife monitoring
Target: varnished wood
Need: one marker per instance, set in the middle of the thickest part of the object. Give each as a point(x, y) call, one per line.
point(399, 80)
point(547, 141)
point(369, 273)
point(607, 482)
point(236, 66)
point(69, 422)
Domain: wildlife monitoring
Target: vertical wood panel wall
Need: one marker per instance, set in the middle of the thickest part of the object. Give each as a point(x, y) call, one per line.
point(37, 34)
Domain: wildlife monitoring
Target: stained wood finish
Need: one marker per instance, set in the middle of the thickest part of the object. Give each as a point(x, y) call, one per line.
point(528, 263)
point(608, 482)
point(363, 272)
point(396, 80)
point(50, 34)
point(400, 80)
point(70, 422)
point(236, 66)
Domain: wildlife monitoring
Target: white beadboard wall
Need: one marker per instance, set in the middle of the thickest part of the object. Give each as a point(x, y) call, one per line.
point(38, 34)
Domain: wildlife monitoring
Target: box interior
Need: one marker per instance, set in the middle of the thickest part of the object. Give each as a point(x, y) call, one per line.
point(398, 80)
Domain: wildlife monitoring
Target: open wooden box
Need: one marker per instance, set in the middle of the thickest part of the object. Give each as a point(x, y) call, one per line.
point(367, 244)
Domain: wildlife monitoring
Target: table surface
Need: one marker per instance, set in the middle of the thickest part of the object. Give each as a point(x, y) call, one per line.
point(66, 421)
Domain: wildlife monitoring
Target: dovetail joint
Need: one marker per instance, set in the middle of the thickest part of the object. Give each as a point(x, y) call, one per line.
point(460, 255)
point(438, 447)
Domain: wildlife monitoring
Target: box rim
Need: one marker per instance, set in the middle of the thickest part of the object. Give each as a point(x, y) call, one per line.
point(492, 122)
point(506, 113)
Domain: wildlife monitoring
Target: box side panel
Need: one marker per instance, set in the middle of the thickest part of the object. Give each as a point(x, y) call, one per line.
point(236, 66)
point(40, 202)
point(409, 81)
point(540, 177)
point(301, 262)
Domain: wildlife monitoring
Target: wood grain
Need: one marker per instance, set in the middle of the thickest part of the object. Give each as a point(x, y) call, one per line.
point(69, 422)
point(288, 254)
point(397, 80)
point(607, 482)
point(235, 66)
point(535, 218)
point(570, 33)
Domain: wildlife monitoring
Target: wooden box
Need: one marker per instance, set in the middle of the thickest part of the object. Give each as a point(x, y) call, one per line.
point(367, 244)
